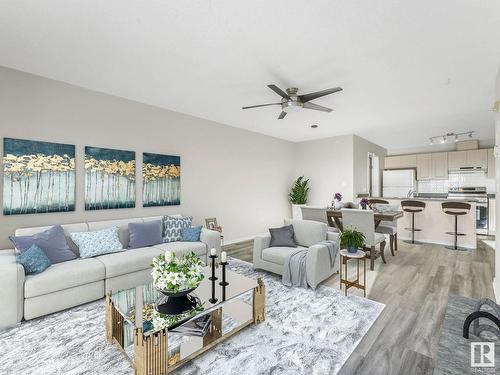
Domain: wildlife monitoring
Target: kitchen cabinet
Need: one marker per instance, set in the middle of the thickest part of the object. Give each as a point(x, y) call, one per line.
point(400, 161)
point(392, 162)
point(491, 217)
point(424, 166)
point(491, 163)
point(457, 159)
point(477, 158)
point(439, 165)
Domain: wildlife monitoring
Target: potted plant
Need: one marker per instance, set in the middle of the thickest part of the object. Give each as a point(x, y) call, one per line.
point(298, 196)
point(337, 201)
point(363, 203)
point(352, 239)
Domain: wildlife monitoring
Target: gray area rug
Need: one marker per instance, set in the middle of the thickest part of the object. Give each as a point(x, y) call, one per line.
point(454, 351)
point(305, 332)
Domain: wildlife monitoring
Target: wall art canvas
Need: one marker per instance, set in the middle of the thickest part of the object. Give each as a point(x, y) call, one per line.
point(39, 177)
point(161, 180)
point(109, 178)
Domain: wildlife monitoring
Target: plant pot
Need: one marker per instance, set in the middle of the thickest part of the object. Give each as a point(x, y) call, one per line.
point(352, 249)
point(176, 302)
point(337, 204)
point(297, 211)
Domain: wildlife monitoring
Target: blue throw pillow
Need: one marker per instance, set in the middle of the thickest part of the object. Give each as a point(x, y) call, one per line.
point(172, 227)
point(34, 260)
point(52, 241)
point(191, 234)
point(144, 234)
point(98, 242)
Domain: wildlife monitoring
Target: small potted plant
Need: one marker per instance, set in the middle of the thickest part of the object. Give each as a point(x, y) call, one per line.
point(352, 239)
point(363, 203)
point(337, 201)
point(298, 196)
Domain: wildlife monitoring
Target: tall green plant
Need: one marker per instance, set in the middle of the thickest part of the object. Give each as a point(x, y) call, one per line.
point(298, 194)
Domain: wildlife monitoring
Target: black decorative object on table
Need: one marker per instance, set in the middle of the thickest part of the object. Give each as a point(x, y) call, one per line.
point(223, 282)
point(213, 277)
point(176, 303)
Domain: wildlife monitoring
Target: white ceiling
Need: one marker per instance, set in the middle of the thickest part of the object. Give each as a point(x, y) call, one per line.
point(409, 69)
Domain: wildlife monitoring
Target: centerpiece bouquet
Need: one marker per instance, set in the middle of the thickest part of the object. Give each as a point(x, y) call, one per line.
point(364, 202)
point(337, 201)
point(174, 275)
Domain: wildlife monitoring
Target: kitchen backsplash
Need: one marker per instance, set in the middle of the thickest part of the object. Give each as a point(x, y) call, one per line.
point(457, 180)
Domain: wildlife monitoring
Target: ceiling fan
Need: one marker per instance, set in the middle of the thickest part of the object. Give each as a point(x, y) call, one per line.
point(290, 100)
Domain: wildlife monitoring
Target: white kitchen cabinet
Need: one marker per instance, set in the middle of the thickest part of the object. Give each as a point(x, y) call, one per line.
point(491, 163)
point(477, 158)
point(424, 166)
point(439, 165)
point(392, 162)
point(400, 161)
point(457, 159)
point(491, 217)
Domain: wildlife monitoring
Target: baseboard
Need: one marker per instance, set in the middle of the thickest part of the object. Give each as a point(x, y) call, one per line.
point(238, 240)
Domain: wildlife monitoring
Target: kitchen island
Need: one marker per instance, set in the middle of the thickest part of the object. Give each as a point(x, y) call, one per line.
point(434, 223)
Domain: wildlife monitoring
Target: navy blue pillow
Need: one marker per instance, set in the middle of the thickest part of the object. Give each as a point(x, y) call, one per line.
point(191, 234)
point(145, 234)
point(34, 260)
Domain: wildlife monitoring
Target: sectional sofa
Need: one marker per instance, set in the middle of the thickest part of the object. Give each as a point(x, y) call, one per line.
point(72, 283)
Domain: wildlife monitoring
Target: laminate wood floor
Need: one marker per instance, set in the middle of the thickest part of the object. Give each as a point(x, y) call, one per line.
point(414, 285)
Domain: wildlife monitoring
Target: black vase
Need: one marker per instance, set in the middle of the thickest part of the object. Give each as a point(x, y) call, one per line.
point(176, 302)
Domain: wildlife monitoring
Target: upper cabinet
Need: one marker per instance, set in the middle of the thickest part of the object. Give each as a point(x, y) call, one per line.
point(439, 167)
point(424, 166)
point(468, 159)
point(491, 163)
point(400, 161)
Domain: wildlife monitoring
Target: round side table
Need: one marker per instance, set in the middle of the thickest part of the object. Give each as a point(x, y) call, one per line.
point(345, 256)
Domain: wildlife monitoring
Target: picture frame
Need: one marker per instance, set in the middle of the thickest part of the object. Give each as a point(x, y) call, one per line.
point(211, 223)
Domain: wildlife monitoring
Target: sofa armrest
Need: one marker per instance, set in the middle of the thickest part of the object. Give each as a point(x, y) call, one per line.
point(260, 243)
point(12, 290)
point(318, 264)
point(212, 239)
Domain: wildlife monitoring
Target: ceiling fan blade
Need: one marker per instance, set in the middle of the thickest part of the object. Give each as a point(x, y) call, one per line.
point(318, 94)
point(317, 107)
point(279, 91)
point(282, 115)
point(260, 105)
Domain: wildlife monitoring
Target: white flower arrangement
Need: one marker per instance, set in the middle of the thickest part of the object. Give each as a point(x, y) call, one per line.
point(174, 274)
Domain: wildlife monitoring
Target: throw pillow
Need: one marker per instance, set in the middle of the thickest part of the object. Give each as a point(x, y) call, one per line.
point(144, 234)
point(282, 237)
point(52, 241)
point(34, 260)
point(99, 242)
point(172, 227)
point(191, 234)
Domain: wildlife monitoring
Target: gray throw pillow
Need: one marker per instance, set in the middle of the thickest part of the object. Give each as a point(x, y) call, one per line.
point(282, 237)
point(52, 241)
point(145, 234)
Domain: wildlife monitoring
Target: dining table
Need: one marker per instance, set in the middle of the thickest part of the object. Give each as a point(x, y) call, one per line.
point(334, 217)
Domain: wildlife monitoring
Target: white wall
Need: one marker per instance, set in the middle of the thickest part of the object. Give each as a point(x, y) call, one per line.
point(361, 148)
point(328, 163)
point(496, 285)
point(240, 177)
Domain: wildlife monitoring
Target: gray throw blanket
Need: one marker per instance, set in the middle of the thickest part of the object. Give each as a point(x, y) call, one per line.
point(294, 268)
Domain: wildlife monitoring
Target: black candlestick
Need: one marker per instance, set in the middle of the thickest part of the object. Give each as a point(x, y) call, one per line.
point(213, 277)
point(223, 282)
point(213, 299)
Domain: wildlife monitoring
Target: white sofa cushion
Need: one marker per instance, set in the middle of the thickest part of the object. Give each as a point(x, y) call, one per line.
point(180, 248)
point(308, 232)
point(62, 276)
point(121, 224)
point(278, 254)
point(128, 261)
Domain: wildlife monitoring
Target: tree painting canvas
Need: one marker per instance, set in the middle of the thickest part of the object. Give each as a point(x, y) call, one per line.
point(161, 180)
point(39, 177)
point(109, 178)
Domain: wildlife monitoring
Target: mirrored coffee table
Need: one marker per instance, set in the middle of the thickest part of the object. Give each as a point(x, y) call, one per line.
point(151, 340)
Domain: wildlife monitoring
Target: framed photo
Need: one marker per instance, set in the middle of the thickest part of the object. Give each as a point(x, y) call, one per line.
point(211, 223)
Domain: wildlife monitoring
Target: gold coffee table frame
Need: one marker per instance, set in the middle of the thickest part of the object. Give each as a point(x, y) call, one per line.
point(151, 351)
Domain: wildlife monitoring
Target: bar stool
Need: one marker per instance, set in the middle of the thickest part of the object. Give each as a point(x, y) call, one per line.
point(413, 207)
point(386, 227)
point(456, 209)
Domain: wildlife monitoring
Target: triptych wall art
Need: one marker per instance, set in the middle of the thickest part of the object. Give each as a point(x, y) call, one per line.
point(39, 177)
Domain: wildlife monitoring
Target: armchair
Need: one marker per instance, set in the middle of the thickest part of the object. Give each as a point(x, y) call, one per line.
point(308, 235)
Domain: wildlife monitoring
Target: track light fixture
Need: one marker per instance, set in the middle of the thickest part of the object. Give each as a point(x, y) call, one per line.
point(445, 137)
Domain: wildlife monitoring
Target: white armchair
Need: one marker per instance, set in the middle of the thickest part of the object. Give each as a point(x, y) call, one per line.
point(308, 234)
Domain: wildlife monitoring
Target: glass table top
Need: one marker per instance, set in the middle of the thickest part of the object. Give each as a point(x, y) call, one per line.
point(149, 300)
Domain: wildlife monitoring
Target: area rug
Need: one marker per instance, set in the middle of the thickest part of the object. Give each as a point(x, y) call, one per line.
point(305, 332)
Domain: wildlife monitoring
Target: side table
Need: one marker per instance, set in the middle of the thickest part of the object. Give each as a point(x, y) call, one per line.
point(345, 256)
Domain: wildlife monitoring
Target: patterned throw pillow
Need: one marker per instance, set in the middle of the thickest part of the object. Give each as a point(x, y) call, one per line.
point(34, 260)
point(172, 227)
point(191, 234)
point(99, 242)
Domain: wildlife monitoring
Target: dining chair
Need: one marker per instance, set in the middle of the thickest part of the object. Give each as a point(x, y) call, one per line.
point(386, 227)
point(317, 214)
point(364, 222)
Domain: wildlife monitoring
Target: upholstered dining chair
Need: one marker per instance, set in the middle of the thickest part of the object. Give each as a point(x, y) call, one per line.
point(386, 227)
point(317, 214)
point(364, 222)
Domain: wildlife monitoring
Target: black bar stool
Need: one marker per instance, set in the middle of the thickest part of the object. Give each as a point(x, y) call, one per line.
point(413, 207)
point(456, 209)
